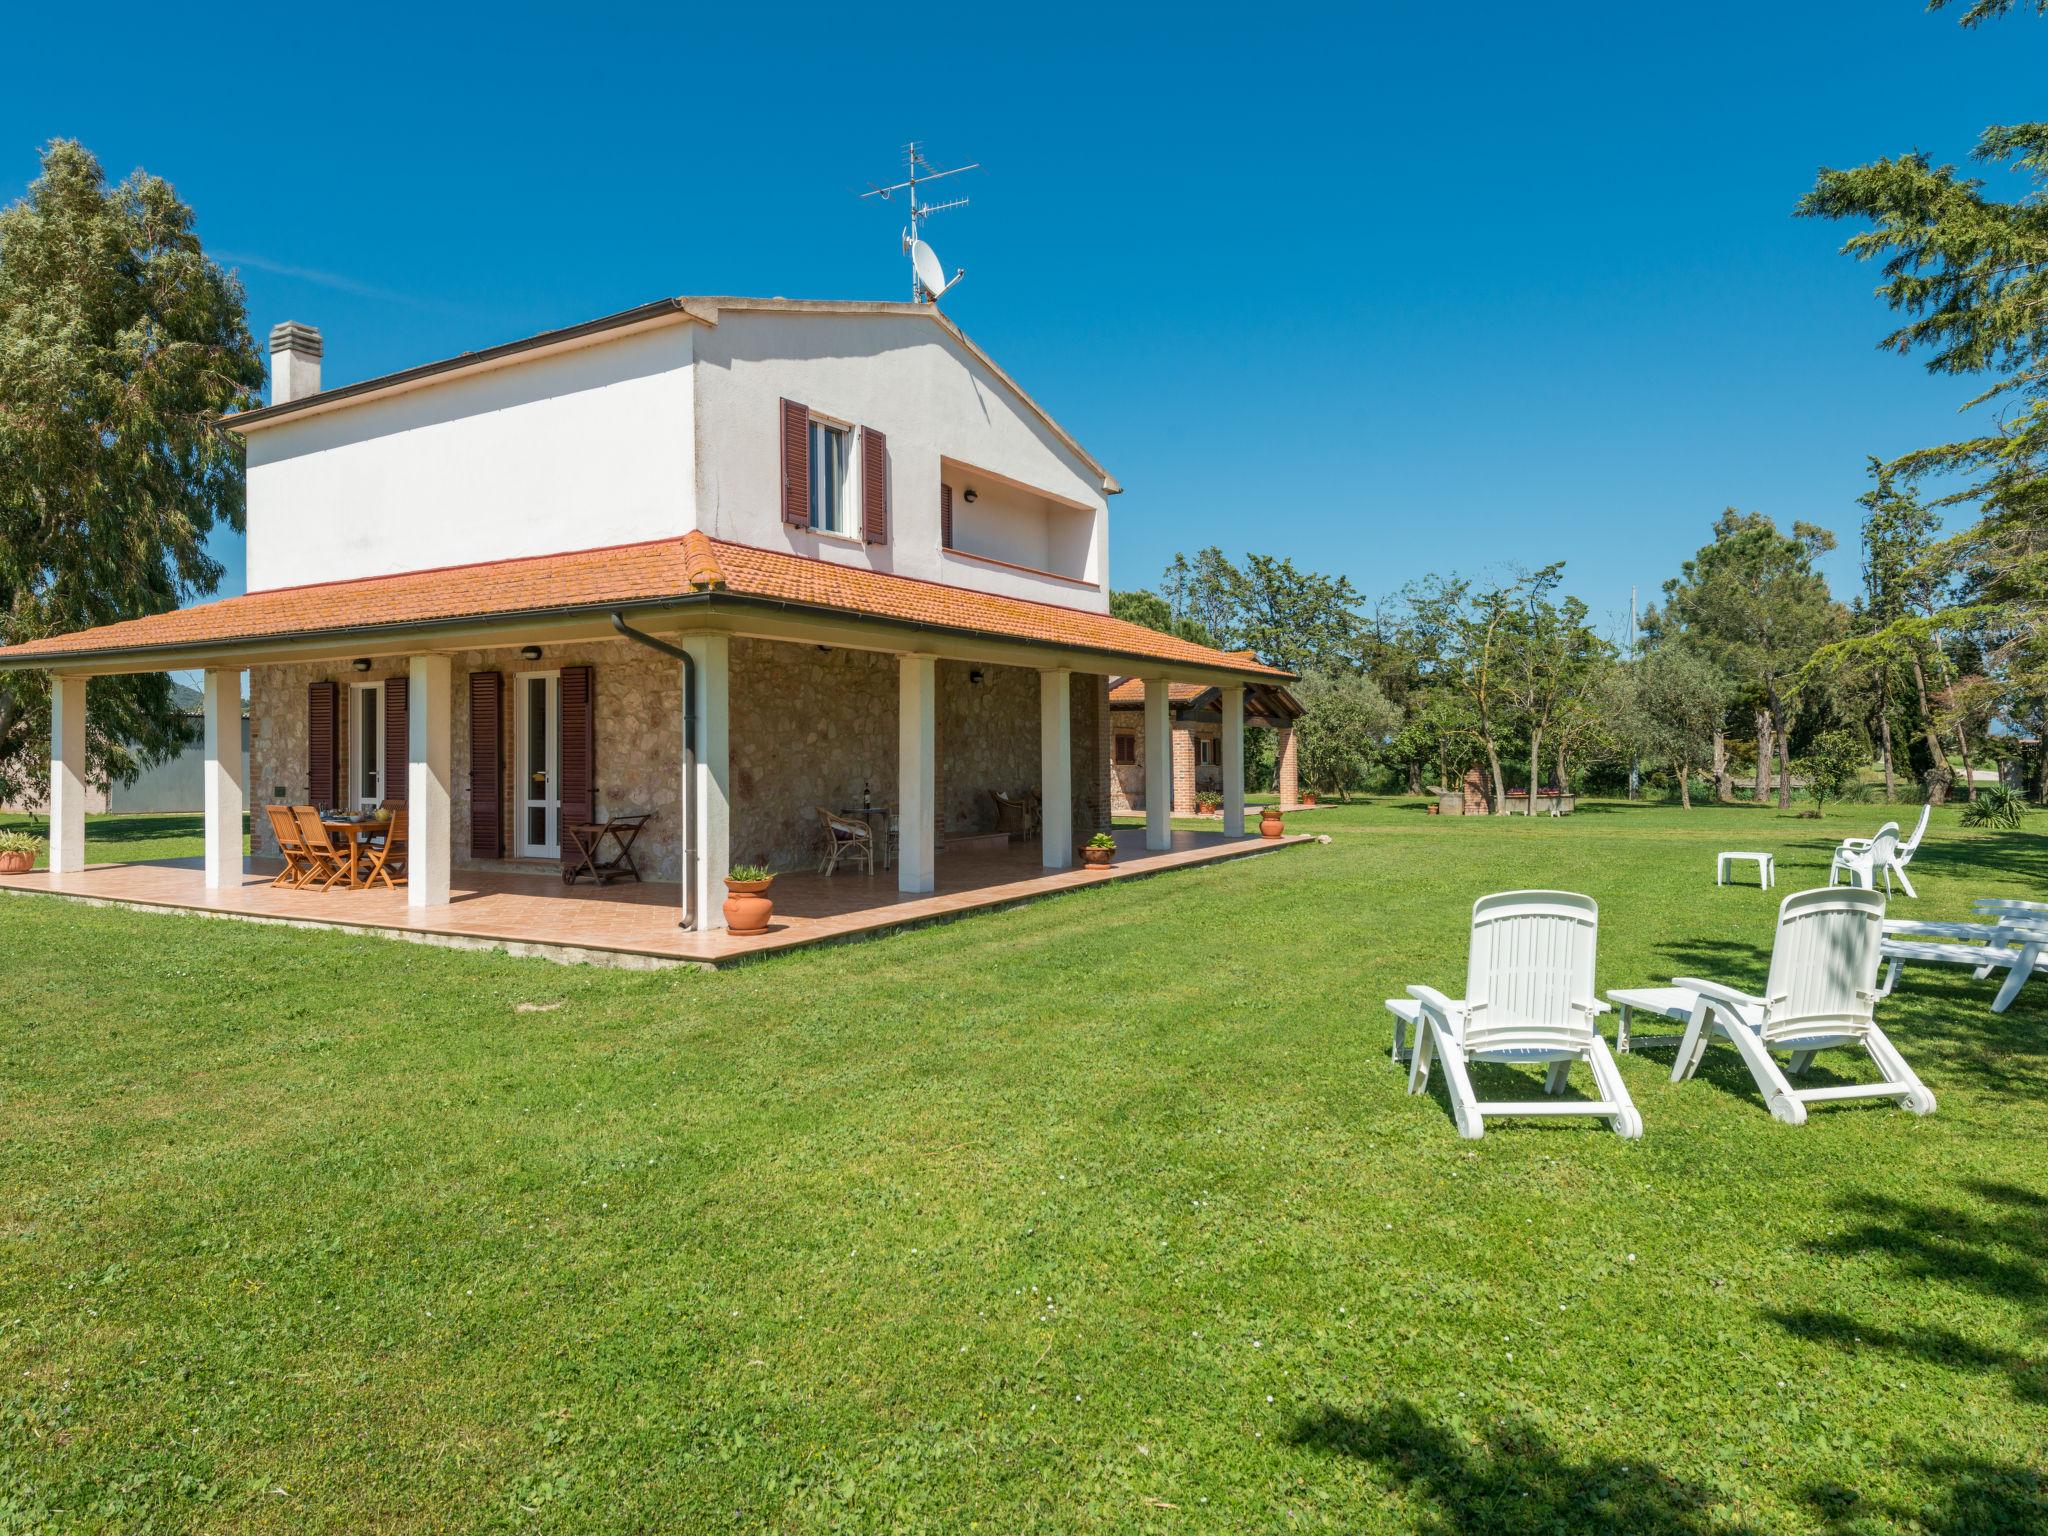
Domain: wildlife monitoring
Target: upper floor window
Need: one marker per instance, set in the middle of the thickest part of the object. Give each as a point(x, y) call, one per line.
point(831, 458)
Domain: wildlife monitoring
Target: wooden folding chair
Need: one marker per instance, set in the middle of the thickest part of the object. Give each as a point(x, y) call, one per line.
point(328, 862)
point(387, 853)
point(298, 864)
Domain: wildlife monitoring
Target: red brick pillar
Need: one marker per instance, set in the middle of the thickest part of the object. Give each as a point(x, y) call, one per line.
point(1288, 769)
point(1183, 771)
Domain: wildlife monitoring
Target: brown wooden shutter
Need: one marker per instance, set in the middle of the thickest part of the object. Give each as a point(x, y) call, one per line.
point(945, 517)
point(874, 487)
point(323, 744)
point(486, 765)
point(796, 464)
point(397, 739)
point(579, 746)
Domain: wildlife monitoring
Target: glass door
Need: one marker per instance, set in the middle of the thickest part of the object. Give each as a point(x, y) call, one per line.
point(537, 761)
point(366, 761)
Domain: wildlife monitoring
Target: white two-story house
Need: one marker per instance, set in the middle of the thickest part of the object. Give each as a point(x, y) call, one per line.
point(723, 561)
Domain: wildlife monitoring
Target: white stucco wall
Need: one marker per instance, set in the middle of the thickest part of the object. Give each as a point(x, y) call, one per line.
point(647, 434)
point(573, 450)
point(903, 376)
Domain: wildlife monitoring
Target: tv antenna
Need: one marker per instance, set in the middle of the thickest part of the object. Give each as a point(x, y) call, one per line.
point(928, 280)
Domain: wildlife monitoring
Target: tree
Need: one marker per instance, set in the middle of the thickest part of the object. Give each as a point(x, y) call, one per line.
point(1472, 636)
point(1682, 699)
point(1440, 731)
point(1300, 620)
point(1833, 764)
point(1344, 728)
point(1552, 653)
point(121, 345)
point(1755, 603)
point(1151, 610)
point(1969, 274)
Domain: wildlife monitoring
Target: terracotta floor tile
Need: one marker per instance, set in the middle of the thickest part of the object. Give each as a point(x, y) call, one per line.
point(636, 920)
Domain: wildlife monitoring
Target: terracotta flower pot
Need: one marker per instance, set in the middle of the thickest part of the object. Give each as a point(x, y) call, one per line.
point(1096, 858)
point(1270, 824)
point(19, 862)
point(746, 908)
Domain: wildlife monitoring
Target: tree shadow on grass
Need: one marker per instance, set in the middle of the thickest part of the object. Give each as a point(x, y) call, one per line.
point(1976, 1498)
point(1515, 1482)
point(2002, 1254)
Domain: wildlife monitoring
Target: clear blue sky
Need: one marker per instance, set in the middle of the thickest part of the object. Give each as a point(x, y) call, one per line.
point(1388, 288)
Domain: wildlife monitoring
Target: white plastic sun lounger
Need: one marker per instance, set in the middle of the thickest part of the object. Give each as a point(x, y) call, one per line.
point(2016, 939)
point(1528, 1001)
point(1822, 993)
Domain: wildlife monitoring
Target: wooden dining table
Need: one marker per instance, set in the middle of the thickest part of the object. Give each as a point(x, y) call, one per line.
point(352, 832)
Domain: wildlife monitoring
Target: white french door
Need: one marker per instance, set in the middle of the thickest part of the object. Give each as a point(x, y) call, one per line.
point(366, 757)
point(537, 759)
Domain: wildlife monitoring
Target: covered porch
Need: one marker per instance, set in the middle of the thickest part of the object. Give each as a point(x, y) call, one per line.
point(629, 925)
point(731, 693)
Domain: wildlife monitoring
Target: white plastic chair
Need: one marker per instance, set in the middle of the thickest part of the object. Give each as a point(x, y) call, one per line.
point(1852, 846)
point(1821, 994)
point(2016, 939)
point(1880, 856)
point(1528, 1000)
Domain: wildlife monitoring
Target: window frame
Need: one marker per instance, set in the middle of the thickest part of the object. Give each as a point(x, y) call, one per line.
point(1124, 740)
point(846, 492)
point(366, 711)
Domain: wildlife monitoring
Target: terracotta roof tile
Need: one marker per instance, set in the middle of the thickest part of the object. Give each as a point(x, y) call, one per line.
point(622, 575)
point(1129, 692)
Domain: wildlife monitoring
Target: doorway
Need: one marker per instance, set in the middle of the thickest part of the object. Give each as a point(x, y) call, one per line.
point(537, 763)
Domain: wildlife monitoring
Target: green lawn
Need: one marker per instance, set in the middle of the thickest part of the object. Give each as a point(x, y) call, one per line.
point(1106, 1213)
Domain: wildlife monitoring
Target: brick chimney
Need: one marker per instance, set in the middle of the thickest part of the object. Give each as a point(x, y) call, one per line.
point(294, 362)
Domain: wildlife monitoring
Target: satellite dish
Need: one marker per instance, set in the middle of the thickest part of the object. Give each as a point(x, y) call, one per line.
point(931, 276)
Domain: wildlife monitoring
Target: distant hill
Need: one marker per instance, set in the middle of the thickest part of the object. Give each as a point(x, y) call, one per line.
point(187, 698)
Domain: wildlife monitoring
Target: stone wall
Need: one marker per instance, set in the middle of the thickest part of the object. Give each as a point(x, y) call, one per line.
point(809, 727)
point(639, 741)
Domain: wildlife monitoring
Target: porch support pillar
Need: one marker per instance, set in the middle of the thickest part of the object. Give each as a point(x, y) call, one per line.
point(710, 798)
point(1055, 769)
point(1232, 703)
point(223, 790)
point(917, 751)
point(430, 738)
point(1287, 766)
point(1158, 767)
point(67, 775)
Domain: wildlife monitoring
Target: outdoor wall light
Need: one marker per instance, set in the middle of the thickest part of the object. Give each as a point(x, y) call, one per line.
point(529, 653)
point(974, 677)
point(968, 494)
point(361, 663)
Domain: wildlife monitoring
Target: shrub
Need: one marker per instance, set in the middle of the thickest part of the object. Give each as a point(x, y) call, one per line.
point(1996, 805)
point(1101, 840)
point(19, 842)
point(1834, 765)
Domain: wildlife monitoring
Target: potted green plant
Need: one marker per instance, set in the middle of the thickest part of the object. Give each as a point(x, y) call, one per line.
point(747, 907)
point(1098, 851)
point(18, 852)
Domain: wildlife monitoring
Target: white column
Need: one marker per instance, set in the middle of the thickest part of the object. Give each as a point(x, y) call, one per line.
point(1232, 704)
point(223, 791)
point(917, 751)
point(67, 774)
point(1158, 767)
point(711, 795)
point(1056, 768)
point(430, 738)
